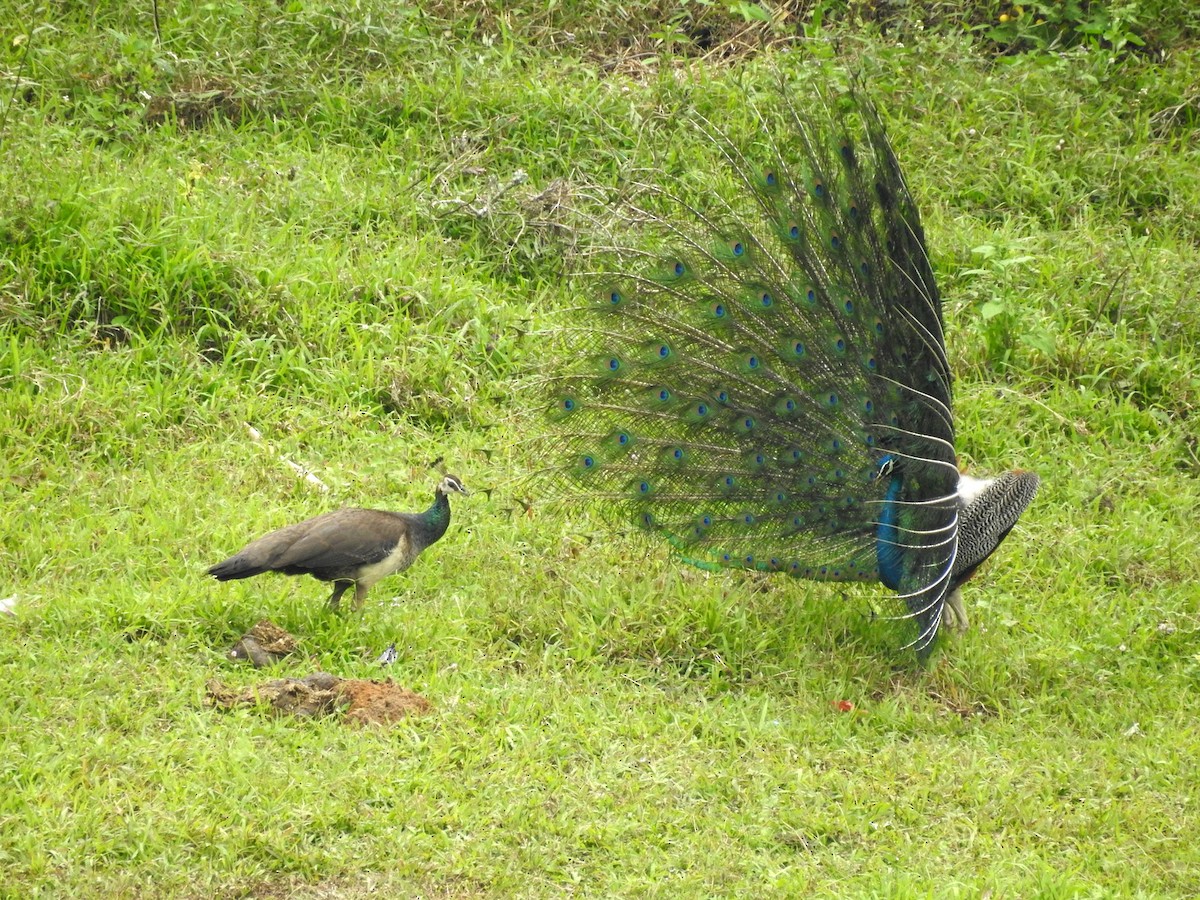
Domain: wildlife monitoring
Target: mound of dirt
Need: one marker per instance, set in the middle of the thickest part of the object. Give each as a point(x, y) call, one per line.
point(358, 701)
point(380, 702)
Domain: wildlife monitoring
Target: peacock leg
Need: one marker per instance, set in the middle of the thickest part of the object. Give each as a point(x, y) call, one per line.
point(953, 612)
point(339, 588)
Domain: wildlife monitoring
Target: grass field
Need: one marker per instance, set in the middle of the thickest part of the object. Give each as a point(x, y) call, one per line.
point(340, 225)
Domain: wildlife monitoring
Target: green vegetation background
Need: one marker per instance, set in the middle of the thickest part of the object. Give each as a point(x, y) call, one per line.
point(341, 224)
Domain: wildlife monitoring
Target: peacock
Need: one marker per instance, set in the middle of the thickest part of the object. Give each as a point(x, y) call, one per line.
point(349, 547)
point(764, 382)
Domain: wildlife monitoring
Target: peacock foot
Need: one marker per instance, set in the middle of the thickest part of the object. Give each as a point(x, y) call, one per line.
point(954, 616)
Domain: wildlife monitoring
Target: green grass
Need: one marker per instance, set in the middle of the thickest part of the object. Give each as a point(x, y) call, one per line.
point(309, 219)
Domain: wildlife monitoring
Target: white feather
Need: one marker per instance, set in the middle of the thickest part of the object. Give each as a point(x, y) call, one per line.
point(970, 488)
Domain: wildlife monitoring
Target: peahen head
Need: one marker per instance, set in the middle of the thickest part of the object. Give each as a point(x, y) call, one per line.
point(451, 484)
point(764, 381)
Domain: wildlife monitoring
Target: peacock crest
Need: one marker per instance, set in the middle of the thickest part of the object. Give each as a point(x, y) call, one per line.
point(763, 380)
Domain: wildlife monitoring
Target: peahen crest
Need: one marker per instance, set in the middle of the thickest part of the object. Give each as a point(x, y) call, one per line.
point(765, 382)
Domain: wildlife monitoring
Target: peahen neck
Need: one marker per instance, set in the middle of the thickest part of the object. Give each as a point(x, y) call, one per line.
point(435, 520)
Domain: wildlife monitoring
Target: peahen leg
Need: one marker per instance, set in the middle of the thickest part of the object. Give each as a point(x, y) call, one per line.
point(339, 588)
point(360, 594)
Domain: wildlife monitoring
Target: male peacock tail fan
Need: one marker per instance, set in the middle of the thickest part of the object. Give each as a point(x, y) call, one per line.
point(765, 382)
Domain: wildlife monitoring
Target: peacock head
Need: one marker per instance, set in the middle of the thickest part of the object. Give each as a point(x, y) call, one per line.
point(451, 483)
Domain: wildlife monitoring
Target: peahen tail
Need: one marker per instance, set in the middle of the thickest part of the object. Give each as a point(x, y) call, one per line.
point(764, 382)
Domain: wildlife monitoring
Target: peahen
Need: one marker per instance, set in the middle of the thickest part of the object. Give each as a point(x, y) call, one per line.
point(350, 547)
point(766, 385)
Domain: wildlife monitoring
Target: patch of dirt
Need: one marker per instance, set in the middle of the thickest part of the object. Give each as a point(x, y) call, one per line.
point(264, 644)
point(196, 103)
point(356, 886)
point(952, 698)
point(311, 696)
point(358, 701)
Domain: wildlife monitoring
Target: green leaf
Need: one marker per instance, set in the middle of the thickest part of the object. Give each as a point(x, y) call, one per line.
point(1040, 339)
point(992, 308)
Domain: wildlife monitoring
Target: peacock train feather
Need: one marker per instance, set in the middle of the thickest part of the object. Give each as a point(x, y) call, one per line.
point(765, 383)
